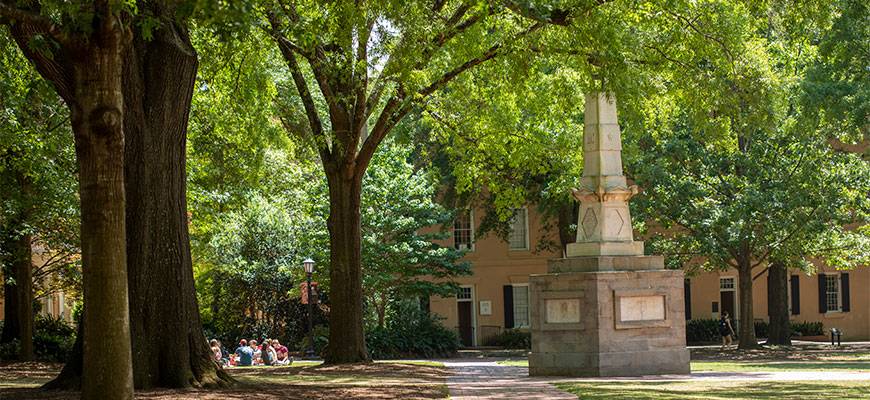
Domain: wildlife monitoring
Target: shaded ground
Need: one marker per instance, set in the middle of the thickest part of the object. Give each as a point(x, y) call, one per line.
point(358, 381)
point(802, 352)
point(731, 390)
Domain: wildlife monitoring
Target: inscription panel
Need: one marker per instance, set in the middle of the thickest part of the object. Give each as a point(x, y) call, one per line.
point(642, 308)
point(563, 311)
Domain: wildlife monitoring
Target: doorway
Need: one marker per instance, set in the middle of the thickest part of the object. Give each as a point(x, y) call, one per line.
point(465, 313)
point(727, 297)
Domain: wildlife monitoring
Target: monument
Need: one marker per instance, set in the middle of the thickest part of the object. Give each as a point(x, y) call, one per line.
point(606, 309)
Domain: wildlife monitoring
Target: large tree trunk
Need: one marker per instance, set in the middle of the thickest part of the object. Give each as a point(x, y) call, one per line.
point(158, 88)
point(746, 334)
point(18, 294)
point(23, 265)
point(158, 84)
point(346, 335)
point(779, 331)
point(97, 121)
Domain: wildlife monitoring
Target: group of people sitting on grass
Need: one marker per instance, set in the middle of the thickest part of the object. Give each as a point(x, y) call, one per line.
point(270, 352)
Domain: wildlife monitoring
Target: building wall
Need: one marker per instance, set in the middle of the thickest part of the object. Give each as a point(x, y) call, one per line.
point(855, 323)
point(494, 266)
point(55, 305)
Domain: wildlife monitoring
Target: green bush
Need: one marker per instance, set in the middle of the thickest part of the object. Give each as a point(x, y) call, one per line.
point(510, 339)
point(807, 328)
point(321, 339)
point(702, 330)
point(9, 351)
point(762, 329)
point(411, 333)
point(53, 339)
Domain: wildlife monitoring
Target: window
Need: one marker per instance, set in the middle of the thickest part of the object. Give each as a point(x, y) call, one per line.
point(519, 235)
point(832, 292)
point(463, 231)
point(464, 293)
point(726, 283)
point(521, 306)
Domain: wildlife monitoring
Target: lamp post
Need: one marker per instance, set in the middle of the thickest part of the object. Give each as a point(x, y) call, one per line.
point(308, 265)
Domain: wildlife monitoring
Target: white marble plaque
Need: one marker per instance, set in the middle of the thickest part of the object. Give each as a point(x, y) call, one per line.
point(485, 307)
point(642, 308)
point(563, 311)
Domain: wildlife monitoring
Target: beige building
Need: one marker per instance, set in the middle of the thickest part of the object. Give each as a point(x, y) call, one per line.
point(496, 296)
point(56, 304)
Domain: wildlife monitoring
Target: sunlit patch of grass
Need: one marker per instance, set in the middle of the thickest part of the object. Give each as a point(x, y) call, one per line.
point(718, 390)
point(785, 366)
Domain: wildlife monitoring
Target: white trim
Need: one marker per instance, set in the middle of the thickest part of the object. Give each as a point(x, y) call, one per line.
point(471, 231)
point(736, 296)
point(527, 240)
point(528, 305)
point(839, 281)
point(473, 302)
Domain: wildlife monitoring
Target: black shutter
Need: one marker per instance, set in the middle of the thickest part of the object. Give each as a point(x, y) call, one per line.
point(795, 294)
point(508, 306)
point(687, 296)
point(844, 287)
point(823, 294)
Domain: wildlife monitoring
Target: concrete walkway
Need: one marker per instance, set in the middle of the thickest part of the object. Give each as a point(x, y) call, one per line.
point(485, 379)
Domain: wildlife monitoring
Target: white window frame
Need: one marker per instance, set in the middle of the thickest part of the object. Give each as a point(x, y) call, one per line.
point(473, 312)
point(731, 289)
point(528, 306)
point(525, 247)
point(470, 232)
point(835, 277)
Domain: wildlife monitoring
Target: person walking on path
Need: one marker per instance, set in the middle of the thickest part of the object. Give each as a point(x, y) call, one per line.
point(726, 330)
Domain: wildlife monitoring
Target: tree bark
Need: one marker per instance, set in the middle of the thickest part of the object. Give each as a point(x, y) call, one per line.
point(24, 282)
point(346, 335)
point(159, 77)
point(779, 330)
point(746, 334)
point(18, 295)
point(97, 120)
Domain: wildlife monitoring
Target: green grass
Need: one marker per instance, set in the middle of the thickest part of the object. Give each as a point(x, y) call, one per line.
point(754, 366)
point(718, 390)
point(514, 363)
point(770, 366)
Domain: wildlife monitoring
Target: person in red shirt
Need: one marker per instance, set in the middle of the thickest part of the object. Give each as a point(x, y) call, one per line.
point(283, 356)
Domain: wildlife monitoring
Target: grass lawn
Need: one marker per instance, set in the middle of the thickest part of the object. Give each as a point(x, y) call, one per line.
point(754, 366)
point(389, 379)
point(730, 390)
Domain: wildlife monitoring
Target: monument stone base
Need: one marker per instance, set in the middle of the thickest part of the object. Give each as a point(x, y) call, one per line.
point(608, 316)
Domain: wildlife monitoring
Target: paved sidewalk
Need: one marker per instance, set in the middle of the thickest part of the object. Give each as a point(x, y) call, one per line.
point(488, 380)
point(485, 379)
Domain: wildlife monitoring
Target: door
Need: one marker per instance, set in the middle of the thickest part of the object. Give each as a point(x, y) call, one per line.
point(726, 301)
point(466, 332)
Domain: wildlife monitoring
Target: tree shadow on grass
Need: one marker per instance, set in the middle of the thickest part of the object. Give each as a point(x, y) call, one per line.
point(355, 381)
point(709, 390)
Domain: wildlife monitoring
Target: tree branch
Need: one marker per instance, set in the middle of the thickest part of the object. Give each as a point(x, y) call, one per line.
point(491, 53)
point(318, 135)
point(11, 15)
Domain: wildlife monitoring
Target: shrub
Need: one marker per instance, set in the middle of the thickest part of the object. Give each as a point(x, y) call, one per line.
point(702, 330)
point(762, 329)
point(807, 329)
point(321, 339)
point(9, 351)
point(511, 339)
point(411, 333)
point(53, 339)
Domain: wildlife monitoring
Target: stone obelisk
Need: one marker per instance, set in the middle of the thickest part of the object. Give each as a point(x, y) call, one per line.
point(606, 309)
